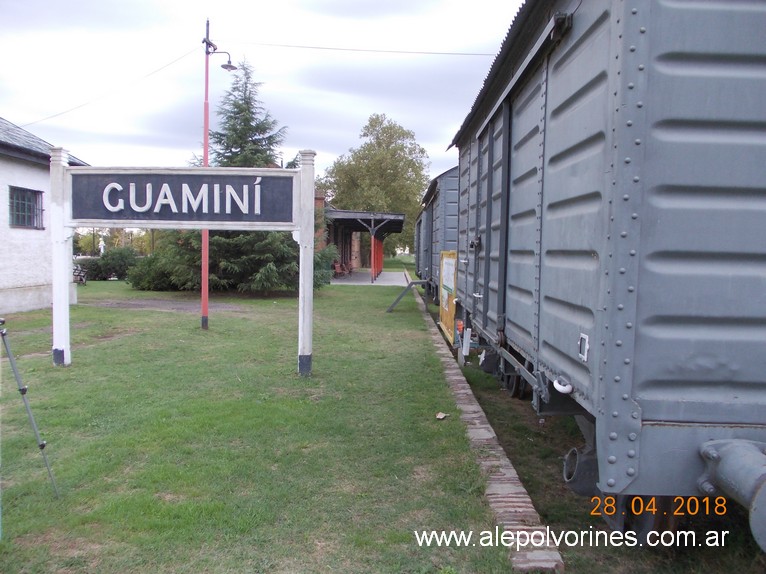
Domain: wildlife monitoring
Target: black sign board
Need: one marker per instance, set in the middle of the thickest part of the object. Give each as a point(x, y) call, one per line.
point(201, 197)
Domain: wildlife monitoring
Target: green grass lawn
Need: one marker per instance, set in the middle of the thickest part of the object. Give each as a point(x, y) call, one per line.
point(182, 450)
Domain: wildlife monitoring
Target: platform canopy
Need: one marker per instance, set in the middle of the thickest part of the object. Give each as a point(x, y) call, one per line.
point(343, 223)
point(378, 224)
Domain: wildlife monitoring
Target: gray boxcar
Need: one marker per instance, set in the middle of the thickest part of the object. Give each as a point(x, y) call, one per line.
point(436, 230)
point(612, 213)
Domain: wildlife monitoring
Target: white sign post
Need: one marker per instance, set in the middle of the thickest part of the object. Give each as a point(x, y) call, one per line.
point(169, 198)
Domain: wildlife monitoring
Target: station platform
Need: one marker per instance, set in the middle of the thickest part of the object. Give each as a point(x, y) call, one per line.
point(362, 277)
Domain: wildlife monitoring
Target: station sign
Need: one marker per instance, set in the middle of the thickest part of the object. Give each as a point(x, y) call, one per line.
point(197, 198)
point(219, 198)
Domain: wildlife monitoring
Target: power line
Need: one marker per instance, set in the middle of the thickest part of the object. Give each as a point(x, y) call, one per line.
point(110, 92)
point(369, 50)
point(292, 46)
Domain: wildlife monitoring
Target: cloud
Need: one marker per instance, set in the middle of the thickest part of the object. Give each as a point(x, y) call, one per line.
point(356, 10)
point(121, 83)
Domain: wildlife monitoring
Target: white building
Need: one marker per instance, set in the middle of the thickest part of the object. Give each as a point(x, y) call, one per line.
point(25, 236)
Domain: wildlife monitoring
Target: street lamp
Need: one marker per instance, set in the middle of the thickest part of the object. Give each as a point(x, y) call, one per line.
point(210, 48)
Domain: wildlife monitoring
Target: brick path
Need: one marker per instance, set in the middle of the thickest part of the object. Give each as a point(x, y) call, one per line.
point(512, 506)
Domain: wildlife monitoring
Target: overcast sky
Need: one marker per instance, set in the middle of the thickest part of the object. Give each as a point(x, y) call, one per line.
point(121, 82)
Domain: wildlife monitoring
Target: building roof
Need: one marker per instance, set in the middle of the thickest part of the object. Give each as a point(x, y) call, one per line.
point(529, 20)
point(19, 143)
point(377, 223)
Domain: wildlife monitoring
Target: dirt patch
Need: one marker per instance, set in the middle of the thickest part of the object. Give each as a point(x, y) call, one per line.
point(191, 306)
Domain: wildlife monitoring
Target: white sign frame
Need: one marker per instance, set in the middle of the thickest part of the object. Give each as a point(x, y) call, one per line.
point(63, 224)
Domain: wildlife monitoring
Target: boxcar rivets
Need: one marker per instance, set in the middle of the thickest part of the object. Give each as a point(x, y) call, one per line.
point(710, 454)
point(628, 325)
point(613, 436)
point(623, 270)
point(618, 343)
point(627, 160)
point(634, 11)
point(625, 397)
point(631, 288)
point(632, 436)
point(629, 123)
point(631, 453)
point(617, 379)
point(634, 415)
point(636, 179)
point(631, 86)
point(612, 459)
point(707, 487)
point(624, 234)
point(615, 414)
point(642, 30)
point(620, 307)
point(627, 361)
point(631, 471)
point(611, 482)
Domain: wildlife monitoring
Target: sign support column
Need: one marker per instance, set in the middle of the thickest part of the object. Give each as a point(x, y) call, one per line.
point(62, 258)
point(306, 278)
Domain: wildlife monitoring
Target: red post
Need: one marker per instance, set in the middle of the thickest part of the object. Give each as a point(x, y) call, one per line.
point(205, 146)
point(379, 253)
point(372, 259)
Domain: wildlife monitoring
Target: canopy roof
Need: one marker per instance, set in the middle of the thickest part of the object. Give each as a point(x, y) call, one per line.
point(376, 223)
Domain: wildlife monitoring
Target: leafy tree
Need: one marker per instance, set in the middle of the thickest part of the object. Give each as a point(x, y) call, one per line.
point(388, 173)
point(86, 243)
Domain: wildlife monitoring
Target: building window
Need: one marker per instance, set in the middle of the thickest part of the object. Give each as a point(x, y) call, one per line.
point(26, 208)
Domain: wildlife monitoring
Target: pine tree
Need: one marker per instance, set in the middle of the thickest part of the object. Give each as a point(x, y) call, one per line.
point(249, 136)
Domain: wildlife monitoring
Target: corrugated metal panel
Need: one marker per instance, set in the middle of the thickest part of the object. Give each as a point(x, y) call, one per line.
point(463, 224)
point(444, 213)
point(481, 251)
point(418, 243)
point(702, 295)
point(578, 158)
point(494, 303)
point(526, 180)
point(471, 229)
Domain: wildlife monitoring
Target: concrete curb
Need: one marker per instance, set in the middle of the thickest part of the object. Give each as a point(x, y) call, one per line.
point(507, 497)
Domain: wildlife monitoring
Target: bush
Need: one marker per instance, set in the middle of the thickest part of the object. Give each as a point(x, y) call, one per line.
point(252, 262)
point(323, 265)
point(117, 261)
point(114, 263)
point(151, 273)
point(91, 266)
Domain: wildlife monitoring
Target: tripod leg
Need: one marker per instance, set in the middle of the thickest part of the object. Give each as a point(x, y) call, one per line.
point(23, 390)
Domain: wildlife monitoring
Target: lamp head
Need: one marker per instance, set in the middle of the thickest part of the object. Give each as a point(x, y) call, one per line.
point(228, 66)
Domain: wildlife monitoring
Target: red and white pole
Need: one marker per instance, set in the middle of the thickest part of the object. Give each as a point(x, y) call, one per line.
point(205, 159)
